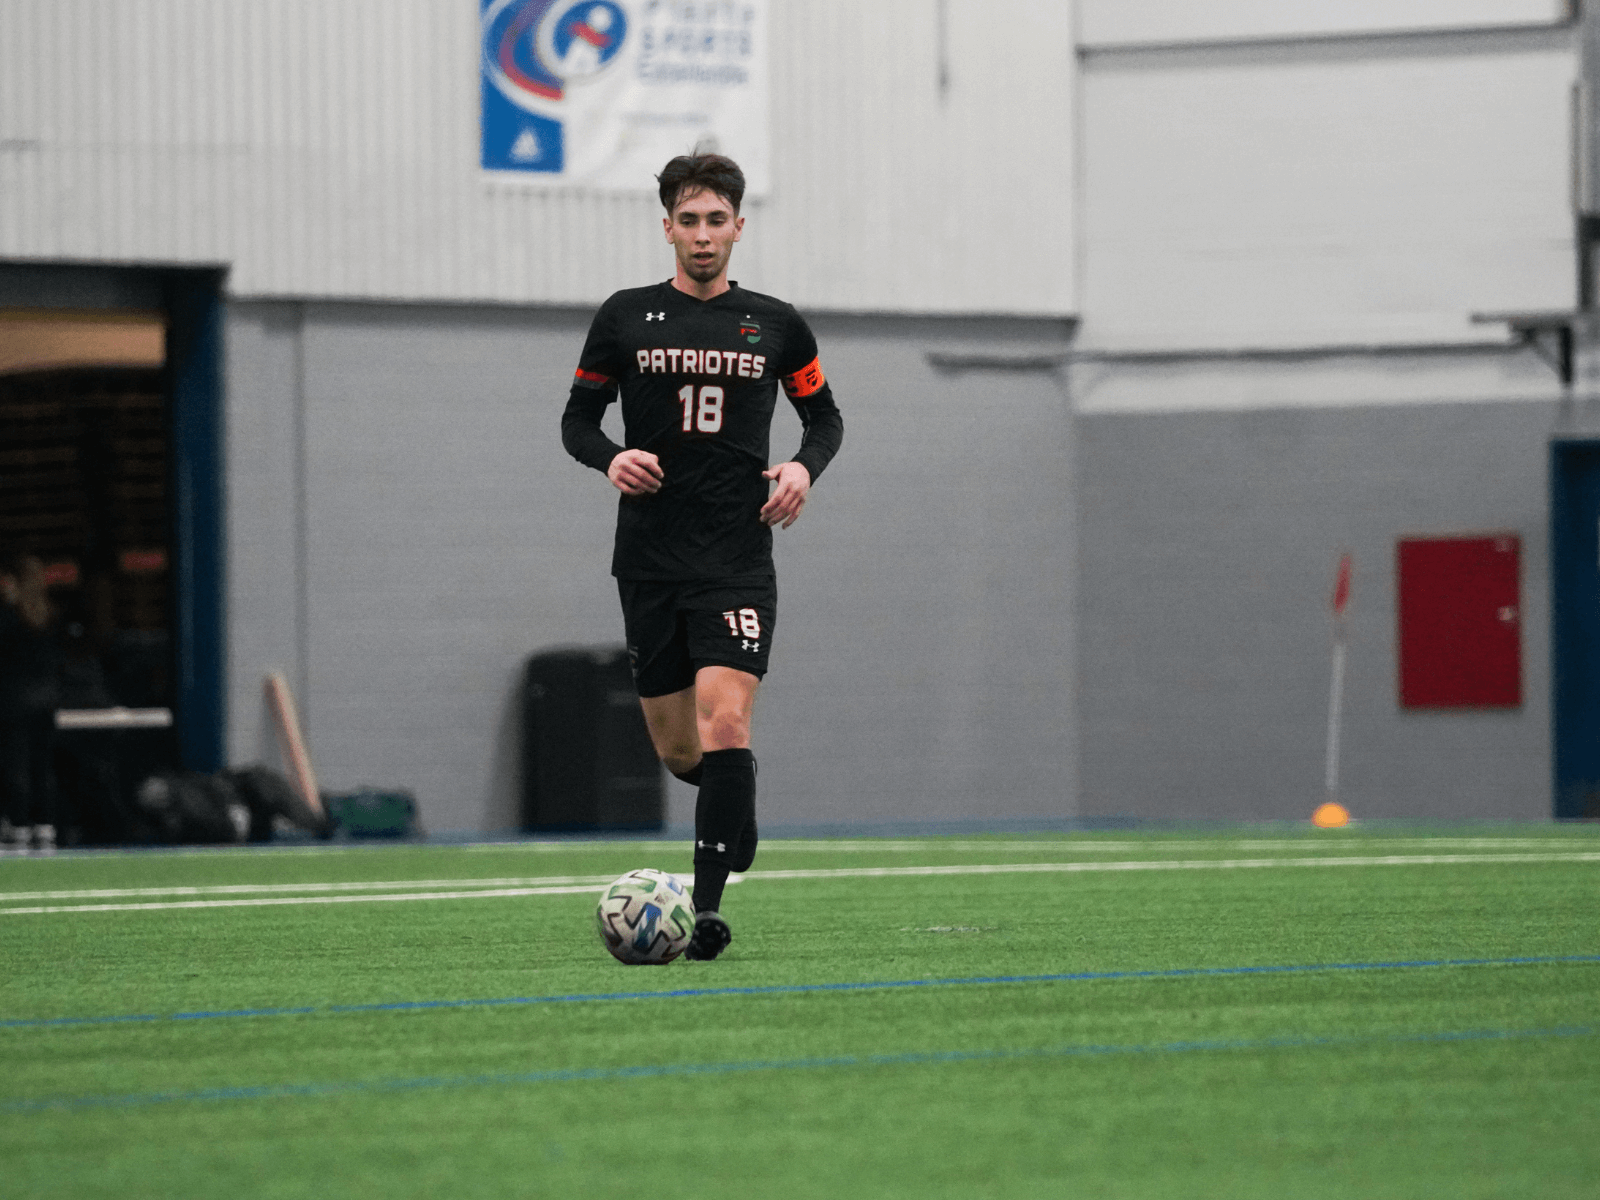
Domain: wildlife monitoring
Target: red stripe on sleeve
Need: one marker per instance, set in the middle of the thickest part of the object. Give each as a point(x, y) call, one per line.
point(593, 376)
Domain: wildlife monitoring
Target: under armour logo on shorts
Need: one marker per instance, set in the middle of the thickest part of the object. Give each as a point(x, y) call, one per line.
point(717, 846)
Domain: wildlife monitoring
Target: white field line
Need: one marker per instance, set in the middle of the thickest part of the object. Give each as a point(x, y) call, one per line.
point(246, 889)
point(1461, 843)
point(263, 901)
point(1311, 842)
point(1391, 860)
point(396, 885)
point(1203, 864)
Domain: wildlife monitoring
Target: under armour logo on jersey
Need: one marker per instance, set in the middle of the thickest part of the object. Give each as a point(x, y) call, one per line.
point(660, 316)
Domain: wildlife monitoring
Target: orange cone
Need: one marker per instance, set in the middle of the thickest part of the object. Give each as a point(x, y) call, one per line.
point(1330, 816)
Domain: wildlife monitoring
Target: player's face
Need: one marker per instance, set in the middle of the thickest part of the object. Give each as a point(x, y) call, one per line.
point(702, 229)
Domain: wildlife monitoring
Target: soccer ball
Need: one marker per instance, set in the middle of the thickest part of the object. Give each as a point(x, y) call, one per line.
point(645, 917)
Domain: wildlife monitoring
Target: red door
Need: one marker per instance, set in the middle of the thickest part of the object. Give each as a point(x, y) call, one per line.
point(1460, 622)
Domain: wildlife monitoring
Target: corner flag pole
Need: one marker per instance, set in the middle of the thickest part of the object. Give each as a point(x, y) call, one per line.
point(281, 700)
point(1341, 601)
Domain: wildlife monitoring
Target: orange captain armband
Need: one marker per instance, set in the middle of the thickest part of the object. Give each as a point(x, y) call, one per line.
point(804, 382)
point(591, 379)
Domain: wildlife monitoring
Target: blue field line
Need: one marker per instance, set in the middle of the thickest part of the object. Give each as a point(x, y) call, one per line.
point(798, 988)
point(278, 1091)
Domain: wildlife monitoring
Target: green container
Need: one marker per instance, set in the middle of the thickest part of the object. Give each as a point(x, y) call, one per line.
point(371, 813)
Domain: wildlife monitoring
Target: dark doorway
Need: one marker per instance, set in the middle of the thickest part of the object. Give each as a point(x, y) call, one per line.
point(1575, 626)
point(110, 475)
point(84, 487)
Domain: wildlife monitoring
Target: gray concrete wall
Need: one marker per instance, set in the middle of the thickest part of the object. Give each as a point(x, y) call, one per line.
point(265, 560)
point(405, 529)
point(923, 668)
point(1208, 543)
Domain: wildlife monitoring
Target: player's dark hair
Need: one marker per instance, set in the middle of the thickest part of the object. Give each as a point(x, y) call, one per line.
point(691, 173)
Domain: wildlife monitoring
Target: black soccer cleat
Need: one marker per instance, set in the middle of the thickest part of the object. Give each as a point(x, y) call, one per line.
point(710, 937)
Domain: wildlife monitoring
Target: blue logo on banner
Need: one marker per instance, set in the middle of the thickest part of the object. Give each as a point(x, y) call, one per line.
point(533, 53)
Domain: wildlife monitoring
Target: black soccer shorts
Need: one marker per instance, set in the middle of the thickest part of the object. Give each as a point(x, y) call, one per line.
point(675, 628)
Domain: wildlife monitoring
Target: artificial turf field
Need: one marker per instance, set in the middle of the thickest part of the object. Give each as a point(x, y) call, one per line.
point(1365, 1012)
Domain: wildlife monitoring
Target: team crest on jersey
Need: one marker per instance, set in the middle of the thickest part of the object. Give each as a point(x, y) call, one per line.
point(750, 331)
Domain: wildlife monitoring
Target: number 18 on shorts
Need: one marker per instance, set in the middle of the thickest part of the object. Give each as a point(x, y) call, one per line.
point(674, 629)
point(746, 625)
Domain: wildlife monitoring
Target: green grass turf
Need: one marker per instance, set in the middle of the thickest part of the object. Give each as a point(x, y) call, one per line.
point(1377, 1107)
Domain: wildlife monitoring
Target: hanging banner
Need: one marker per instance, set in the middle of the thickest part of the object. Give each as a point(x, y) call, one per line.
point(601, 93)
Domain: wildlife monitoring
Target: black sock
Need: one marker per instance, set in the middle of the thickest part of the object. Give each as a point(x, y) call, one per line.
point(725, 808)
point(709, 880)
point(744, 852)
point(692, 775)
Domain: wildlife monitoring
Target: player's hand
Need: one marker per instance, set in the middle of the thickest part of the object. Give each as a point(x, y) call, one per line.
point(635, 473)
point(789, 497)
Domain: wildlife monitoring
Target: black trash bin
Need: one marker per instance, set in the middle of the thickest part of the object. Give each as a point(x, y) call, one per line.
point(587, 761)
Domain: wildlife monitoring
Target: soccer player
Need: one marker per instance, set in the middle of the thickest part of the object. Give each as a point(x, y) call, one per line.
point(697, 361)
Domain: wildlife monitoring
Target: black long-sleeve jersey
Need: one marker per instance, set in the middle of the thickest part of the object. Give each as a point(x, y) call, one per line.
point(699, 382)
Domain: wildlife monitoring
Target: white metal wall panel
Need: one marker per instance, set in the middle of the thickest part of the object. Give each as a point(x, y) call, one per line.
point(1291, 200)
point(1158, 22)
point(329, 148)
point(893, 196)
